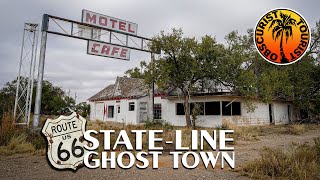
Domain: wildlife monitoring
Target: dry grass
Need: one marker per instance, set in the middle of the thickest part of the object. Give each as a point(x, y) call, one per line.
point(252, 133)
point(300, 162)
point(296, 129)
point(17, 144)
point(14, 140)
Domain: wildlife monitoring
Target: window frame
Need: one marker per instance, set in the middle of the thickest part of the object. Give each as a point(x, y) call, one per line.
point(131, 104)
point(231, 108)
point(182, 113)
point(191, 106)
point(157, 113)
point(214, 113)
point(109, 110)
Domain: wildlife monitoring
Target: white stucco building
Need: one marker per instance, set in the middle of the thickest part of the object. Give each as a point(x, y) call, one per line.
point(129, 101)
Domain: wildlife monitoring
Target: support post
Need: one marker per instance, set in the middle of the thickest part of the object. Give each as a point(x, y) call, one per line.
point(152, 61)
point(37, 106)
point(32, 80)
point(18, 80)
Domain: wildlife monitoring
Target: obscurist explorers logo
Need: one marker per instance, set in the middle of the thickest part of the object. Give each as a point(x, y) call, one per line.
point(282, 36)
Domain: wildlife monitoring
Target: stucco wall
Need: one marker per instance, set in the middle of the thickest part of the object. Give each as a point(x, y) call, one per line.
point(259, 116)
point(125, 116)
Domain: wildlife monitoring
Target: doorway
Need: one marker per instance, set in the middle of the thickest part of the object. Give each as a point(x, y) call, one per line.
point(271, 114)
point(118, 110)
point(289, 113)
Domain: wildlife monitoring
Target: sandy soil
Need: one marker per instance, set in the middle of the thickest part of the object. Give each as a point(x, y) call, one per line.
point(24, 166)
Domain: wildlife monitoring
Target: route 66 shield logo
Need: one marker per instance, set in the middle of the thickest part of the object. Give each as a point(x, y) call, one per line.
point(65, 141)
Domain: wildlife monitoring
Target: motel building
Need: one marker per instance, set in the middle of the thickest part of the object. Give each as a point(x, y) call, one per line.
point(128, 101)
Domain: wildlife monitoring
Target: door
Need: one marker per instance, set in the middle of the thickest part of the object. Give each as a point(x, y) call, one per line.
point(118, 110)
point(289, 113)
point(99, 111)
point(143, 112)
point(271, 114)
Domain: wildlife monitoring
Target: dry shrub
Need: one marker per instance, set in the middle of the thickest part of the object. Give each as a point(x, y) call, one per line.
point(301, 162)
point(7, 129)
point(296, 129)
point(17, 139)
point(245, 133)
point(17, 144)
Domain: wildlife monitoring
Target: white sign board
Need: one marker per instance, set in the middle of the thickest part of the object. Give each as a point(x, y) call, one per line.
point(108, 22)
point(108, 50)
point(65, 141)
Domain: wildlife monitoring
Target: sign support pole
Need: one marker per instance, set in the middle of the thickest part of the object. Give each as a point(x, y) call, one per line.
point(36, 119)
point(152, 61)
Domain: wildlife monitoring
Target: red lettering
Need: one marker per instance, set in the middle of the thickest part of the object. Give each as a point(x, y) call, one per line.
point(91, 19)
point(122, 25)
point(123, 53)
point(113, 22)
point(105, 49)
point(93, 49)
point(103, 21)
point(130, 30)
point(115, 50)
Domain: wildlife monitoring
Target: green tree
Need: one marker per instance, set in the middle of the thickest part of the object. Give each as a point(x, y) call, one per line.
point(54, 100)
point(185, 64)
point(83, 108)
point(137, 72)
point(182, 65)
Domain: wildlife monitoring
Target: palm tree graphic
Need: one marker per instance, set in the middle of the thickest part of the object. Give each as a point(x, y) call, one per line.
point(281, 26)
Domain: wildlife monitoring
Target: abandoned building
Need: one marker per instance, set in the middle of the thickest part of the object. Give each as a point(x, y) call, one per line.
point(129, 101)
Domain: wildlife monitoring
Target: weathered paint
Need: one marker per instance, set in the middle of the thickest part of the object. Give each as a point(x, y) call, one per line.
point(65, 137)
point(259, 116)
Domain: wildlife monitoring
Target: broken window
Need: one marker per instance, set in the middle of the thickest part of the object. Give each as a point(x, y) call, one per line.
point(226, 108)
point(110, 111)
point(212, 108)
point(157, 111)
point(229, 108)
point(131, 106)
point(200, 105)
point(180, 109)
point(236, 108)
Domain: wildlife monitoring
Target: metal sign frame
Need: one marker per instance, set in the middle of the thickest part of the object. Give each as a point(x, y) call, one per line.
point(139, 43)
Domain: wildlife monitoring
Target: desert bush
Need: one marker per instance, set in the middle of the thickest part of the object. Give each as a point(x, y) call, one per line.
point(300, 162)
point(14, 139)
point(7, 129)
point(296, 129)
point(157, 124)
point(17, 144)
point(36, 139)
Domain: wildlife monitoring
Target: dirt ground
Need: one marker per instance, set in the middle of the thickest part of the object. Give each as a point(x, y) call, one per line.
point(25, 166)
